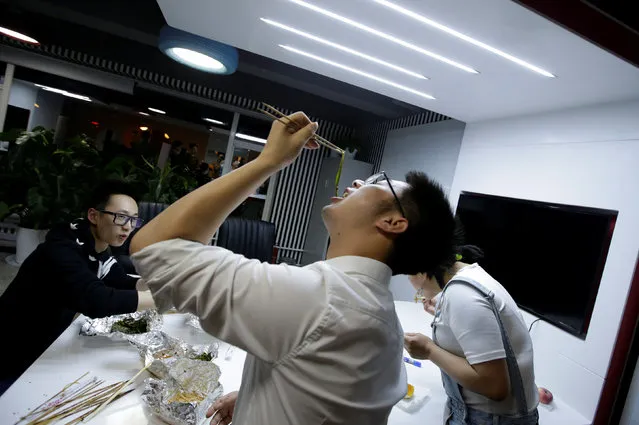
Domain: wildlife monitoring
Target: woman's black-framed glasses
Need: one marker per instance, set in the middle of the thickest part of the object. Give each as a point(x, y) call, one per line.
point(123, 219)
point(376, 178)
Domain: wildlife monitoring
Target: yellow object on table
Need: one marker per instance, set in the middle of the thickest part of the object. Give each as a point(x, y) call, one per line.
point(410, 392)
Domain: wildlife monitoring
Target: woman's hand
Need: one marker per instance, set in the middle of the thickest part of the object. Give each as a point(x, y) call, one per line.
point(418, 346)
point(429, 305)
point(222, 409)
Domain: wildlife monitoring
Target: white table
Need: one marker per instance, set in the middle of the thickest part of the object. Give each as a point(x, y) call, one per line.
point(71, 355)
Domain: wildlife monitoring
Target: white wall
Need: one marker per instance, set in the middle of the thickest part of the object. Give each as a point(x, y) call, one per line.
point(23, 95)
point(26, 95)
point(587, 156)
point(48, 112)
point(432, 148)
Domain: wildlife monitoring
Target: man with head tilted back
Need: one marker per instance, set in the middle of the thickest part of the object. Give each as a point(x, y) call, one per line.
point(324, 343)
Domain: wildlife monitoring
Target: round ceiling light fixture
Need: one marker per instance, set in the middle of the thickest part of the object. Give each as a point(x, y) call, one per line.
point(18, 35)
point(200, 60)
point(198, 52)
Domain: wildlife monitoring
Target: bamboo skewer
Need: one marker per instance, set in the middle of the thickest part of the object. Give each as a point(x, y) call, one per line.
point(81, 418)
point(34, 411)
point(84, 398)
point(93, 404)
point(77, 394)
point(90, 399)
point(103, 405)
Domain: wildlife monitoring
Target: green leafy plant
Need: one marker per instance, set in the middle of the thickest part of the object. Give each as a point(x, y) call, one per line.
point(6, 210)
point(167, 184)
point(45, 183)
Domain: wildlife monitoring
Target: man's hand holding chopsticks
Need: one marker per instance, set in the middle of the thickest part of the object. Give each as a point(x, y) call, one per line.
point(288, 136)
point(198, 215)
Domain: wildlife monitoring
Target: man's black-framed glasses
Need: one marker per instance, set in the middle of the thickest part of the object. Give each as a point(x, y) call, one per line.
point(376, 178)
point(122, 219)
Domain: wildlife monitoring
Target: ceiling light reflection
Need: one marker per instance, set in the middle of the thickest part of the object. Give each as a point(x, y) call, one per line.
point(357, 71)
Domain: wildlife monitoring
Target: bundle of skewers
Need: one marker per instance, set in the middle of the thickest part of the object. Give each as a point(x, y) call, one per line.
point(78, 401)
point(272, 112)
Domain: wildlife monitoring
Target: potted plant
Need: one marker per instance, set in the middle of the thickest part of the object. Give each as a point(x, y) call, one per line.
point(153, 183)
point(167, 184)
point(45, 184)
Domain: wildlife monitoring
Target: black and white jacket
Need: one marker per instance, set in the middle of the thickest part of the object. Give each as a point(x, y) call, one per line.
point(62, 277)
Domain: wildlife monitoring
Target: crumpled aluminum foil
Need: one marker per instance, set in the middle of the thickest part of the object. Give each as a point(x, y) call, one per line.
point(103, 325)
point(193, 321)
point(160, 351)
point(184, 396)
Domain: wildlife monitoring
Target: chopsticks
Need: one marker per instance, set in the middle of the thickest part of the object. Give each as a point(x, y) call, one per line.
point(272, 112)
point(284, 119)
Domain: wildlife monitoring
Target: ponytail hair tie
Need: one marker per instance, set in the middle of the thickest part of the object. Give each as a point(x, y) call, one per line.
point(458, 257)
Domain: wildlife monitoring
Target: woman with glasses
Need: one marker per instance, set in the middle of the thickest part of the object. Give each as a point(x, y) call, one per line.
point(480, 342)
point(71, 272)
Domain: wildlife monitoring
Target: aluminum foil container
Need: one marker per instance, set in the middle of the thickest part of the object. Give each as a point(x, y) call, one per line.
point(160, 351)
point(103, 326)
point(184, 396)
point(193, 321)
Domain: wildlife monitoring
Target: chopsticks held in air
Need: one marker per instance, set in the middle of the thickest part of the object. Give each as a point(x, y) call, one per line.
point(281, 117)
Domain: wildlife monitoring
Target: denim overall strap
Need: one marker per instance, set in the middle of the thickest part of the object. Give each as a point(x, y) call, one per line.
point(516, 381)
point(453, 390)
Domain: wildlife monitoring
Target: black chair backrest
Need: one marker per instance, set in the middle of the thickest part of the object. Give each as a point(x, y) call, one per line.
point(149, 210)
point(252, 238)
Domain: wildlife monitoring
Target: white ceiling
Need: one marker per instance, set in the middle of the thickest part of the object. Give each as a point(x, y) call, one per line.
point(585, 73)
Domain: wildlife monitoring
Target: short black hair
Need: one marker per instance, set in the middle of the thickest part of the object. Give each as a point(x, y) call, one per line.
point(469, 254)
point(429, 240)
point(102, 193)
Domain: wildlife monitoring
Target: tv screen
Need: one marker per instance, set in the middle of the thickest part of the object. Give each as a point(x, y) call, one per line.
point(550, 257)
point(17, 118)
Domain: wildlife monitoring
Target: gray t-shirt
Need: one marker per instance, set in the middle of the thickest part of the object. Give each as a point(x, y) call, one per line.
point(467, 327)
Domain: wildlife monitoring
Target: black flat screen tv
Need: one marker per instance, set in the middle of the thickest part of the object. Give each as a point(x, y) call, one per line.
point(550, 257)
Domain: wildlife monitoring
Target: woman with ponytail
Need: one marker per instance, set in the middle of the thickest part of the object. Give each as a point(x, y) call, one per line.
point(480, 342)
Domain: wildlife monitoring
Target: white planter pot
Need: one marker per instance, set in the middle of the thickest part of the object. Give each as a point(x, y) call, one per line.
point(27, 241)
